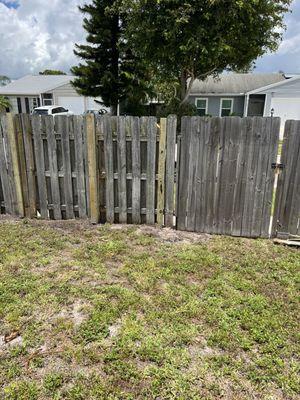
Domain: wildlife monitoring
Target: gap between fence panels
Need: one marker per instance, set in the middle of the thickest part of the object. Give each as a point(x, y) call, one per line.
point(214, 176)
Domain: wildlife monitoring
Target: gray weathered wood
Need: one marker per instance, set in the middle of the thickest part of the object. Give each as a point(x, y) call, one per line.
point(80, 166)
point(136, 171)
point(170, 171)
point(40, 165)
point(53, 168)
point(109, 169)
point(161, 184)
point(151, 167)
point(122, 179)
point(64, 125)
point(287, 207)
point(30, 163)
point(7, 194)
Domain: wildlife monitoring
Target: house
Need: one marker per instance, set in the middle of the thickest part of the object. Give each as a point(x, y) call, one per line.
point(233, 94)
point(44, 90)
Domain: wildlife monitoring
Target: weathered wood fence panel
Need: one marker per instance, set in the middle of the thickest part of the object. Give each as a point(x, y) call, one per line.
point(226, 178)
point(216, 176)
point(287, 206)
point(106, 168)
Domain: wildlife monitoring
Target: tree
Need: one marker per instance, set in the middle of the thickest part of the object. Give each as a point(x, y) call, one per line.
point(4, 80)
point(4, 104)
point(110, 69)
point(186, 40)
point(52, 72)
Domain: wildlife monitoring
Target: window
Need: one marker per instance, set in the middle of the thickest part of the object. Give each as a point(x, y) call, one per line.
point(58, 110)
point(27, 105)
point(226, 107)
point(40, 111)
point(19, 105)
point(35, 102)
point(47, 99)
point(201, 105)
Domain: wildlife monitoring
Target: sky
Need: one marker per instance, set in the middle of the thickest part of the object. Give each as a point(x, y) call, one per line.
point(40, 34)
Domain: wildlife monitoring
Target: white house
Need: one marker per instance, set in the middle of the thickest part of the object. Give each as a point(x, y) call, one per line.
point(281, 99)
point(44, 90)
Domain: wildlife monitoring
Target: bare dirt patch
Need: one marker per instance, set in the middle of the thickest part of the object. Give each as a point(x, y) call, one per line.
point(168, 235)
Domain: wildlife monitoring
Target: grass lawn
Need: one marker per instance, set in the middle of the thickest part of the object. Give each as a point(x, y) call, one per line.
point(100, 312)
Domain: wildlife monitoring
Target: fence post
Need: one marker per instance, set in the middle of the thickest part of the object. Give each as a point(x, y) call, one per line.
point(161, 172)
point(92, 168)
point(15, 165)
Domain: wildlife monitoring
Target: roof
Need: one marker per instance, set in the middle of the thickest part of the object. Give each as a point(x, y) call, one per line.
point(46, 107)
point(35, 84)
point(235, 83)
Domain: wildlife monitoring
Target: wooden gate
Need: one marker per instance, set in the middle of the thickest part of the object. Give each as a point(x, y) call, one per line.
point(226, 178)
point(287, 206)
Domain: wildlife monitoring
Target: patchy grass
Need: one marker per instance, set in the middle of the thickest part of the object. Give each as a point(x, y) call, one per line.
point(138, 313)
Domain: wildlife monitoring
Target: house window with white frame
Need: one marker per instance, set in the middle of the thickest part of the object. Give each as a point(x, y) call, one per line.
point(201, 105)
point(47, 99)
point(226, 107)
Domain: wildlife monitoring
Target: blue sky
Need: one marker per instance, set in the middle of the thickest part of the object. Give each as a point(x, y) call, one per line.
point(40, 34)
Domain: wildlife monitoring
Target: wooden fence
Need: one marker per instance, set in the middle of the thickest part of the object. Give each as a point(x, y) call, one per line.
point(226, 177)
point(105, 168)
point(216, 176)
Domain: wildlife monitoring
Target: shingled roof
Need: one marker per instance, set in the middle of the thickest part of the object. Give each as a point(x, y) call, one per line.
point(235, 83)
point(35, 84)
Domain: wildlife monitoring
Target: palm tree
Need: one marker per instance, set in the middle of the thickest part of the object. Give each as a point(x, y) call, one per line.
point(4, 104)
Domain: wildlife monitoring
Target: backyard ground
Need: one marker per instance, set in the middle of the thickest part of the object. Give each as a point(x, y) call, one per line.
point(123, 312)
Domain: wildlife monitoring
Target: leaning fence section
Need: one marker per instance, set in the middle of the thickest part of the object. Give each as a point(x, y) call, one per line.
point(110, 169)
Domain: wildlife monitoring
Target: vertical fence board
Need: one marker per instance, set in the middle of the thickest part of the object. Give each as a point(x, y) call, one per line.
point(7, 194)
point(161, 172)
point(30, 165)
point(151, 167)
point(17, 122)
point(194, 146)
point(136, 171)
point(109, 162)
point(64, 125)
point(92, 168)
point(40, 165)
point(183, 173)
point(270, 177)
point(122, 177)
point(80, 166)
point(170, 170)
point(53, 167)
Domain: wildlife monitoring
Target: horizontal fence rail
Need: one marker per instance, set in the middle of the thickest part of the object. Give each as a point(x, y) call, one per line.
point(216, 175)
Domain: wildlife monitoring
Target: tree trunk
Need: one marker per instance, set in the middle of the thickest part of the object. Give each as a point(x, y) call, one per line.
point(183, 85)
point(185, 88)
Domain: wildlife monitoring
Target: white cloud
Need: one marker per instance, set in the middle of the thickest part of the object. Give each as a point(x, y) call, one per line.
point(38, 35)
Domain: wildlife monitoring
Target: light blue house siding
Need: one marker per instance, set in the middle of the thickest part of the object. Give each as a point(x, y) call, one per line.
point(214, 104)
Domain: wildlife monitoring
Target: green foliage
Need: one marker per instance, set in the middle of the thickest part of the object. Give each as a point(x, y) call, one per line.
point(4, 104)
point(52, 72)
point(4, 80)
point(108, 313)
point(174, 107)
point(109, 69)
point(182, 41)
